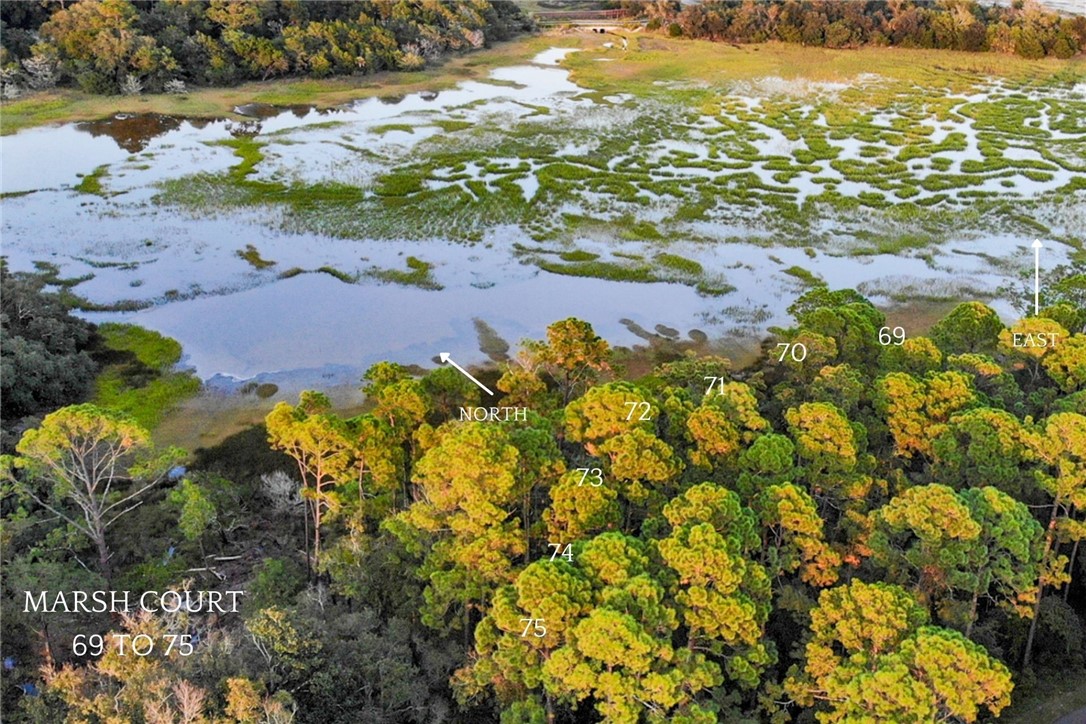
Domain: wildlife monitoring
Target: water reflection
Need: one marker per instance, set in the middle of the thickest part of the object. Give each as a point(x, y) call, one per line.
point(134, 132)
point(266, 110)
point(243, 319)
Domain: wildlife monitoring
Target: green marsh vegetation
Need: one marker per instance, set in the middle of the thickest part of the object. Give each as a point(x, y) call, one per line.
point(578, 255)
point(627, 267)
point(138, 376)
point(862, 152)
point(804, 275)
point(91, 183)
point(611, 271)
point(679, 263)
point(419, 274)
point(345, 277)
point(252, 255)
point(48, 276)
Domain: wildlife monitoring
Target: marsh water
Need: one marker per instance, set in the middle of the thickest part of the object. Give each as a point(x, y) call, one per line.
point(181, 270)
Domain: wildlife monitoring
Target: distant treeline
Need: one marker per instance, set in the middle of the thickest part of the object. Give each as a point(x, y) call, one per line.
point(1024, 28)
point(111, 46)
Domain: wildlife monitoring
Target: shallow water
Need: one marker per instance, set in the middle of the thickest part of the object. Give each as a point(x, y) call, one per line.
point(1070, 7)
point(314, 325)
point(239, 322)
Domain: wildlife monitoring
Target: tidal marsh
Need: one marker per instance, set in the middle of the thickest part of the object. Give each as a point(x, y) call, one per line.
point(790, 158)
point(926, 172)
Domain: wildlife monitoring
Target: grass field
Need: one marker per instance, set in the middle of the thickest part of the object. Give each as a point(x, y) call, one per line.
point(694, 62)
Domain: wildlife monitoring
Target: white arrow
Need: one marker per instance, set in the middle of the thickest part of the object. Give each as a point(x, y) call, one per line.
point(445, 359)
point(1037, 246)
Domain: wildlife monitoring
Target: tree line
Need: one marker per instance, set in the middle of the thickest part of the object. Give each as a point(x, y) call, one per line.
point(863, 524)
point(112, 46)
point(45, 353)
point(1023, 28)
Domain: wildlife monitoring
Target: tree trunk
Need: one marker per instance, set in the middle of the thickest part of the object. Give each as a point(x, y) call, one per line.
point(467, 629)
point(104, 556)
point(317, 528)
point(47, 645)
point(308, 560)
point(361, 474)
point(1071, 570)
point(972, 614)
point(1049, 535)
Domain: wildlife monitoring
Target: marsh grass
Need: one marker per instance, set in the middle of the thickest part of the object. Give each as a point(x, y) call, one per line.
point(466, 181)
point(252, 255)
point(806, 276)
point(389, 127)
point(452, 126)
point(138, 375)
point(419, 274)
point(247, 149)
point(49, 274)
point(602, 270)
point(339, 274)
point(679, 263)
point(578, 255)
point(91, 183)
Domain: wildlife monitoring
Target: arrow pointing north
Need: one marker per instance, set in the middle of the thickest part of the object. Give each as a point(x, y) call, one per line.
point(445, 359)
point(1037, 246)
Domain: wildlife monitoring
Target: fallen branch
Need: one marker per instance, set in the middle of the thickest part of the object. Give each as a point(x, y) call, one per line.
point(212, 571)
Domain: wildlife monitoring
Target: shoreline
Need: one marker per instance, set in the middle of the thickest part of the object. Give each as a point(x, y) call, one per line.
point(69, 105)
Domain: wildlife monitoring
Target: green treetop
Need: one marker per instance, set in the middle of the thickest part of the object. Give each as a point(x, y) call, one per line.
point(606, 411)
point(98, 465)
point(463, 516)
point(870, 657)
point(320, 444)
point(986, 446)
point(970, 327)
point(723, 593)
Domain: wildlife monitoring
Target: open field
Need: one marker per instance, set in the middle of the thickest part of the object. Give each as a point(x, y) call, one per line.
point(655, 59)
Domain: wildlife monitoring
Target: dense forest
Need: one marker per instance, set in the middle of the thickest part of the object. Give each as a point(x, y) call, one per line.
point(45, 353)
point(864, 524)
point(1024, 28)
point(112, 46)
point(123, 46)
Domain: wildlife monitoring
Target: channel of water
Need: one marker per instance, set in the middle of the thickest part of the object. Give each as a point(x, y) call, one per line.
point(237, 322)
